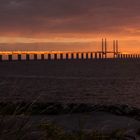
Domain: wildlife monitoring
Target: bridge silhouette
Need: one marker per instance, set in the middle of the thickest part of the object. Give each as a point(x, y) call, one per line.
point(70, 55)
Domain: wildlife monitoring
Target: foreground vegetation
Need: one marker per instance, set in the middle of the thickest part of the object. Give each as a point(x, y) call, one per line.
point(9, 130)
point(52, 132)
point(15, 122)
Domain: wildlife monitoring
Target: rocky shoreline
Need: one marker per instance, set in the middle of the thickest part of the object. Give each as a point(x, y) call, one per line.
point(9, 108)
point(111, 121)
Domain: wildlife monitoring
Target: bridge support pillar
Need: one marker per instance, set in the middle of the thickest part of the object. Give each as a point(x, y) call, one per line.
point(49, 56)
point(55, 56)
point(95, 55)
point(19, 57)
point(72, 56)
point(27, 57)
point(61, 56)
point(121, 56)
point(0, 57)
point(118, 56)
point(87, 56)
point(10, 57)
point(42, 57)
point(77, 56)
point(105, 55)
point(35, 56)
point(82, 55)
point(124, 56)
point(100, 55)
point(91, 55)
point(67, 56)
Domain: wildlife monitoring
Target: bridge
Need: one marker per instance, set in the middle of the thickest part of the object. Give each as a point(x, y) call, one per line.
point(69, 55)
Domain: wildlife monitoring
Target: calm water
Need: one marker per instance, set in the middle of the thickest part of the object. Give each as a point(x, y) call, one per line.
point(71, 82)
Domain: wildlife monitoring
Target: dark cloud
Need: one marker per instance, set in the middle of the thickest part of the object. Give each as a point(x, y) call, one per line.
point(32, 17)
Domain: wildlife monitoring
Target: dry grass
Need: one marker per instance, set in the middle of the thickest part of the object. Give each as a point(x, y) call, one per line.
point(17, 126)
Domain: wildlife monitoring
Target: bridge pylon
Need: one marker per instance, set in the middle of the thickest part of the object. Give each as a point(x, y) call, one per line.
point(115, 48)
point(104, 48)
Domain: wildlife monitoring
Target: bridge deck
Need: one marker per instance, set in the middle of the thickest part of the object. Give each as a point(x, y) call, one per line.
point(43, 55)
point(49, 52)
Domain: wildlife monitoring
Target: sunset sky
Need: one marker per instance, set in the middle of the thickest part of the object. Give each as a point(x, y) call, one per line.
point(68, 24)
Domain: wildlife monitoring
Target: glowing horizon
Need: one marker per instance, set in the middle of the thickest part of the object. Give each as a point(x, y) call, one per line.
point(130, 44)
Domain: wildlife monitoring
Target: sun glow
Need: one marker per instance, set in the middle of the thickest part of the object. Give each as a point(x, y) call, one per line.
point(42, 40)
point(68, 43)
